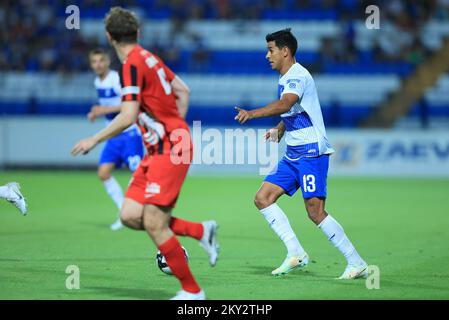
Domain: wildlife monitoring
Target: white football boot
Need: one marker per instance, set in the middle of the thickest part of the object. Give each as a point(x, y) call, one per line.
point(290, 264)
point(209, 241)
point(355, 271)
point(184, 295)
point(117, 225)
point(16, 197)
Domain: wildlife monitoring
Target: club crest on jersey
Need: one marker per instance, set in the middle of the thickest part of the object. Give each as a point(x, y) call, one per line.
point(152, 189)
point(292, 83)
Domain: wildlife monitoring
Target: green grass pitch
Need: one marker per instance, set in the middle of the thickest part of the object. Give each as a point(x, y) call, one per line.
point(400, 225)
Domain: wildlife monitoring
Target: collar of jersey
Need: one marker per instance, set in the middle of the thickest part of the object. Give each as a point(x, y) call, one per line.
point(137, 47)
point(293, 65)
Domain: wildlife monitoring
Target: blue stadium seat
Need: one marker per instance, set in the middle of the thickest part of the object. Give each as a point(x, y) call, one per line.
point(270, 14)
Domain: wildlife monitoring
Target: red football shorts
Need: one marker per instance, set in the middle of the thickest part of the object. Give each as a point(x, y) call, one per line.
point(157, 181)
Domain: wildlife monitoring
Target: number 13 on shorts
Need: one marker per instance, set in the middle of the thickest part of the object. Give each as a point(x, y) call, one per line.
point(308, 183)
point(313, 176)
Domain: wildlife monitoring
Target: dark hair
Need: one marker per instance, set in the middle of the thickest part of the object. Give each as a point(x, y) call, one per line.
point(98, 51)
point(284, 38)
point(122, 25)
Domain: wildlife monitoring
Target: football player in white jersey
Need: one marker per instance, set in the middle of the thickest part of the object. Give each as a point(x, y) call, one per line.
point(126, 148)
point(306, 162)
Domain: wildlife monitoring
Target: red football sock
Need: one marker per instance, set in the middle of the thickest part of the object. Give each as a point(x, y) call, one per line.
point(174, 255)
point(186, 228)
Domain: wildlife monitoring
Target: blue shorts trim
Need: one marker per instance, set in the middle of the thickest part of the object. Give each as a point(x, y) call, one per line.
point(307, 173)
point(126, 148)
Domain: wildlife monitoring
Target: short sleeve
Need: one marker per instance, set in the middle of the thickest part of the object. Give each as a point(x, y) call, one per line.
point(169, 73)
point(295, 86)
point(131, 82)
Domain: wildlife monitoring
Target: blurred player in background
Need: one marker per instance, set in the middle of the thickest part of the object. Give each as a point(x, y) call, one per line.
point(158, 100)
point(11, 193)
point(127, 147)
point(306, 162)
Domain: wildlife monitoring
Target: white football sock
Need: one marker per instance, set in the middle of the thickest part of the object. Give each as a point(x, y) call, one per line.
point(114, 191)
point(335, 233)
point(278, 221)
point(4, 192)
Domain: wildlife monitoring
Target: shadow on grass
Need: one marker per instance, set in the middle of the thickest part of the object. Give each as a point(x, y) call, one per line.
point(134, 293)
point(266, 271)
point(403, 285)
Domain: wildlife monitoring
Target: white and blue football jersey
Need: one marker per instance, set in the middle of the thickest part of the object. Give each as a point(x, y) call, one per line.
point(125, 148)
point(109, 93)
point(305, 134)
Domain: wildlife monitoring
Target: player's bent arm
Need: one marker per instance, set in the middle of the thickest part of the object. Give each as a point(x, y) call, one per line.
point(276, 108)
point(182, 94)
point(127, 116)
point(97, 111)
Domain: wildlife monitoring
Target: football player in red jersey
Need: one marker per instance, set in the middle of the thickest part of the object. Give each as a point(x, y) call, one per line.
point(157, 100)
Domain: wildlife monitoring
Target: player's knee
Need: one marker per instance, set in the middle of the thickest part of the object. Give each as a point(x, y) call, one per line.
point(103, 173)
point(262, 201)
point(125, 217)
point(130, 219)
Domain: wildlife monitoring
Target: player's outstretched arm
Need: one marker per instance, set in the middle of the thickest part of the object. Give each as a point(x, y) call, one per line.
point(97, 111)
point(182, 94)
point(126, 117)
point(273, 109)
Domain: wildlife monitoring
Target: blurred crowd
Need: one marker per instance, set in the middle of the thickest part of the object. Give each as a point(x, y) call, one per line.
point(400, 38)
point(34, 38)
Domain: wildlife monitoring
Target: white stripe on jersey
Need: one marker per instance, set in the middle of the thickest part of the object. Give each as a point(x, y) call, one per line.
point(130, 90)
point(301, 136)
point(111, 88)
